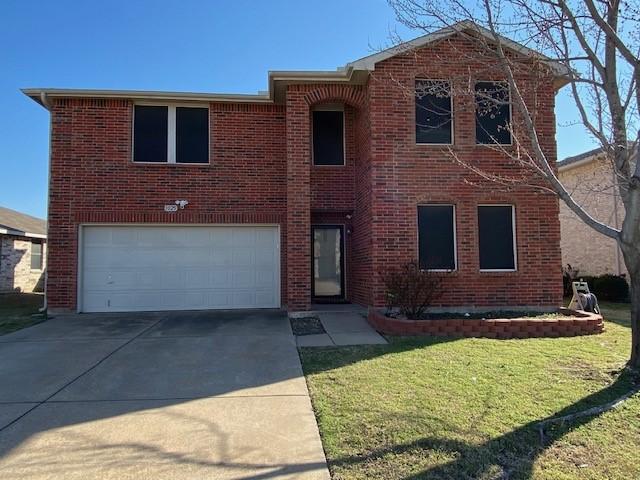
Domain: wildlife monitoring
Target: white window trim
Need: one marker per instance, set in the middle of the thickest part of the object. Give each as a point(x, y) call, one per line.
point(171, 132)
point(331, 108)
point(41, 256)
point(455, 237)
point(453, 130)
point(510, 115)
point(513, 230)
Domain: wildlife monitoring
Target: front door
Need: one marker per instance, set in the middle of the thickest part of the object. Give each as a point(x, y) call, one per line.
point(328, 262)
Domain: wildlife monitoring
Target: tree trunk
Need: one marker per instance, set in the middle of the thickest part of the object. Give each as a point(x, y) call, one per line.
point(631, 254)
point(634, 361)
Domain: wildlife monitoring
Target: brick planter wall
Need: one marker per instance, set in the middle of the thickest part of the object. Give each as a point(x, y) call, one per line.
point(572, 324)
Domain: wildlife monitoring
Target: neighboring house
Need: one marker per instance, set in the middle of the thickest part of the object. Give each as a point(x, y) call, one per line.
point(23, 251)
point(590, 179)
point(309, 193)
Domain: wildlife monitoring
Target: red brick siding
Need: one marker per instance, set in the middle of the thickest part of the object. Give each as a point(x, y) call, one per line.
point(362, 243)
point(298, 201)
point(261, 172)
point(332, 186)
point(405, 175)
point(94, 180)
point(330, 191)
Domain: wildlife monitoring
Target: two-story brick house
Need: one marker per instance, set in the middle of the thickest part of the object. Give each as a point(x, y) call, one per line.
point(308, 193)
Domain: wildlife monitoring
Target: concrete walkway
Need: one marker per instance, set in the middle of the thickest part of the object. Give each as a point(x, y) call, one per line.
point(189, 395)
point(345, 325)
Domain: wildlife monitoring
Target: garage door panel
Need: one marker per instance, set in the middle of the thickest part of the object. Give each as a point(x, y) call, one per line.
point(221, 256)
point(124, 237)
point(172, 278)
point(197, 299)
point(219, 278)
point(264, 278)
point(97, 237)
point(243, 237)
point(197, 278)
point(174, 267)
point(243, 299)
point(199, 237)
point(243, 279)
point(222, 237)
point(265, 257)
point(265, 296)
point(243, 256)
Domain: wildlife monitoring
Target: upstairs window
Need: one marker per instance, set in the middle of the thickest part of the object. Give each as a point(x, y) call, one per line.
point(493, 113)
point(328, 137)
point(433, 112)
point(150, 130)
point(36, 255)
point(497, 239)
point(170, 134)
point(436, 237)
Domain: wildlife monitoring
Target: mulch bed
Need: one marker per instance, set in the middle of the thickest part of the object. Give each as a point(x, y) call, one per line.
point(306, 326)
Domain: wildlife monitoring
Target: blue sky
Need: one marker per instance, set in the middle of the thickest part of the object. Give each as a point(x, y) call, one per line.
point(180, 45)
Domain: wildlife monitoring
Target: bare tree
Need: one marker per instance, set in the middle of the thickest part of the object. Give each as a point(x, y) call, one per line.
point(596, 45)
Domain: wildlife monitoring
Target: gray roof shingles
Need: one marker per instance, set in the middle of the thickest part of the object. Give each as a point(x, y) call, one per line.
point(21, 222)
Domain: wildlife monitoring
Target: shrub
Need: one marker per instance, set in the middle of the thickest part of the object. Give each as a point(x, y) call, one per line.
point(612, 288)
point(411, 290)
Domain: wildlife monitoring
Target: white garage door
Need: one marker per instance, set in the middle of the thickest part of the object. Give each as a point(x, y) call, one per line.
point(127, 268)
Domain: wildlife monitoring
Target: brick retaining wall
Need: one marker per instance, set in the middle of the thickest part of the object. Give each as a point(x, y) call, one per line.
point(568, 324)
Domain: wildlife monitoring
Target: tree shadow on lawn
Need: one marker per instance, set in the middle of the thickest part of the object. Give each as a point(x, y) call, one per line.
point(509, 456)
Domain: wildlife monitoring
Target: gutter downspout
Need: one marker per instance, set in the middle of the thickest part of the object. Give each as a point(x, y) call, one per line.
point(47, 105)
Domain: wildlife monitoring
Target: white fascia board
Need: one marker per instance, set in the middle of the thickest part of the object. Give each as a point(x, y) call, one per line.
point(369, 62)
point(20, 233)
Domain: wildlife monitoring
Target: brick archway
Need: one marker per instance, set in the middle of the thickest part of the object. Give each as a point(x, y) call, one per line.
point(350, 94)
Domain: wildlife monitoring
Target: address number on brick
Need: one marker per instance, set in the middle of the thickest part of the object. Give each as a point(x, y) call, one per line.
point(171, 208)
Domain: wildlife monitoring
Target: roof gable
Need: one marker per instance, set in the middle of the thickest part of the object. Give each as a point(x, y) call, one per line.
point(369, 62)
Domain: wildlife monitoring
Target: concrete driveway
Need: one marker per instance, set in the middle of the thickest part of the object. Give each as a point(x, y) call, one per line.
point(187, 395)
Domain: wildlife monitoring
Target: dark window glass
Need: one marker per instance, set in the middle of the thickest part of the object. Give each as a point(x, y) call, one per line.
point(328, 138)
point(433, 111)
point(495, 232)
point(192, 135)
point(36, 256)
point(492, 113)
point(435, 237)
point(150, 134)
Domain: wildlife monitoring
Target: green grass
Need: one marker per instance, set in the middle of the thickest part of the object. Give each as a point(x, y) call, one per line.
point(17, 310)
point(468, 408)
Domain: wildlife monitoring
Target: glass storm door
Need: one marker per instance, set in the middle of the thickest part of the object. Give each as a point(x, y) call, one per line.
point(328, 261)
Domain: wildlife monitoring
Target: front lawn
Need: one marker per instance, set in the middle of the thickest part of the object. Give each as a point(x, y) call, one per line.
point(468, 408)
point(17, 311)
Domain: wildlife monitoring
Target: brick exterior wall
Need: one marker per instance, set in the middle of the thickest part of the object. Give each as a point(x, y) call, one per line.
point(16, 274)
point(94, 180)
point(261, 172)
point(592, 186)
point(405, 175)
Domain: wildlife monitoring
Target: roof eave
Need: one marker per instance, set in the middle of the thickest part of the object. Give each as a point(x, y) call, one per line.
point(39, 94)
point(560, 71)
point(278, 81)
point(20, 233)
